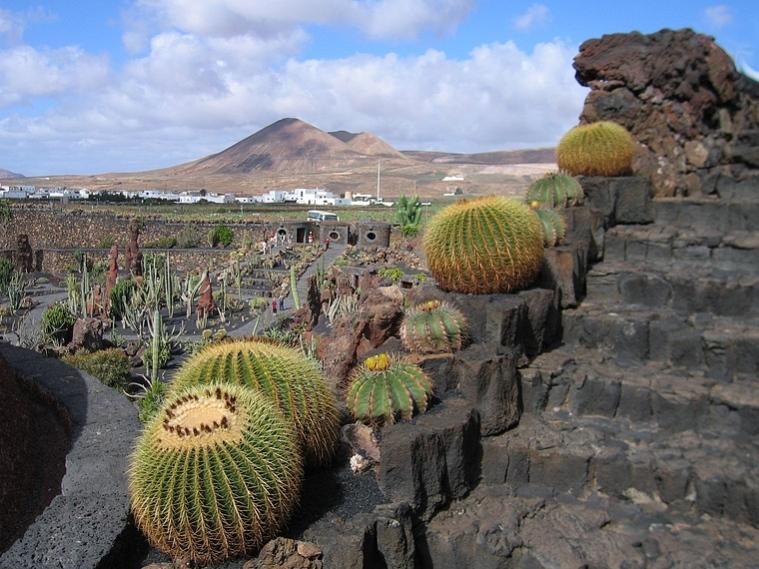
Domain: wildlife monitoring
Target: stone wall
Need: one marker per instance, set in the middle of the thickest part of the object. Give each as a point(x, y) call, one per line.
point(695, 117)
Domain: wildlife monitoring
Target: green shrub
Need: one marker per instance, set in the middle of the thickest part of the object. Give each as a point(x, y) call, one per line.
point(6, 271)
point(483, 246)
point(215, 474)
point(393, 273)
point(187, 239)
point(56, 323)
point(165, 242)
point(120, 296)
point(107, 242)
point(220, 235)
point(110, 366)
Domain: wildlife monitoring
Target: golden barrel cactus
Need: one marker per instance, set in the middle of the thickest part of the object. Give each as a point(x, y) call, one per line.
point(486, 245)
point(601, 148)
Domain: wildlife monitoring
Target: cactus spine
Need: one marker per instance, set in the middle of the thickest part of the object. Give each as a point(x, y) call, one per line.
point(555, 190)
point(215, 474)
point(434, 327)
point(284, 375)
point(384, 389)
point(486, 245)
point(554, 226)
point(598, 149)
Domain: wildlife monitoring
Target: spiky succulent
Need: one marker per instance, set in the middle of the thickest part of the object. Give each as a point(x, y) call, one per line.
point(433, 327)
point(485, 245)
point(216, 473)
point(283, 374)
point(601, 148)
point(384, 389)
point(555, 190)
point(554, 226)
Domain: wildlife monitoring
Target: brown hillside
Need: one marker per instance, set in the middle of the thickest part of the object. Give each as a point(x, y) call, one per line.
point(502, 157)
point(287, 145)
point(8, 175)
point(371, 145)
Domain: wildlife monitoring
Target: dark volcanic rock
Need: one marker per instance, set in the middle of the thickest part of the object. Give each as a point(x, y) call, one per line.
point(693, 114)
point(88, 334)
point(433, 460)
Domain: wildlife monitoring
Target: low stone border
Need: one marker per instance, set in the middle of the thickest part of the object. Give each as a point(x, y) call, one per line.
point(88, 525)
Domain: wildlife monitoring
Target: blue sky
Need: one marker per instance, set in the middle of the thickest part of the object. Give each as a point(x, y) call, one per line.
point(93, 86)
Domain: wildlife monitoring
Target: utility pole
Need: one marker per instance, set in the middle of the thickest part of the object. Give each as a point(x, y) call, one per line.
point(379, 165)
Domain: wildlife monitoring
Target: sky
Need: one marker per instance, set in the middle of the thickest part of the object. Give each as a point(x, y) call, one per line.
point(91, 86)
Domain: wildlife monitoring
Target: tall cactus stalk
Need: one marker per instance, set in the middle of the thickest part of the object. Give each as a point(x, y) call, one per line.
point(157, 332)
point(168, 286)
point(294, 288)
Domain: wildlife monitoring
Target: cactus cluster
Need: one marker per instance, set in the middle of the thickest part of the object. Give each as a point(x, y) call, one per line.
point(486, 245)
point(384, 389)
point(555, 190)
point(282, 374)
point(598, 149)
point(433, 327)
point(554, 226)
point(215, 473)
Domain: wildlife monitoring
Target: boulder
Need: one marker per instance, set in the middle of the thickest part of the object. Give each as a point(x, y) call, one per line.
point(683, 100)
point(87, 334)
point(284, 553)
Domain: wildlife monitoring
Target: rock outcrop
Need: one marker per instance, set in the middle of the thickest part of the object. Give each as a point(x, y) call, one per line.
point(695, 117)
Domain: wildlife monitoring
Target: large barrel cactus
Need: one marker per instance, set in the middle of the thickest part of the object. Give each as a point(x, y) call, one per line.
point(216, 473)
point(485, 245)
point(554, 226)
point(384, 389)
point(598, 149)
point(433, 327)
point(555, 190)
point(284, 375)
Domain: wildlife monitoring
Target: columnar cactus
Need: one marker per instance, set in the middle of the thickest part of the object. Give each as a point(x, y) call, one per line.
point(485, 245)
point(434, 327)
point(384, 389)
point(598, 149)
point(284, 375)
point(554, 226)
point(216, 473)
point(555, 190)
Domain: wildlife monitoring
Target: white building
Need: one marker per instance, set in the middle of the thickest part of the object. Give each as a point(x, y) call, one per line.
point(315, 196)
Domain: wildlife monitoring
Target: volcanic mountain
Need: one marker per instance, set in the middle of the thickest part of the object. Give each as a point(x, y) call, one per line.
point(8, 175)
point(291, 145)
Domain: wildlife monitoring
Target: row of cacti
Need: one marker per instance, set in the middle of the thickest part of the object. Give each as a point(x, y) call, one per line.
point(218, 470)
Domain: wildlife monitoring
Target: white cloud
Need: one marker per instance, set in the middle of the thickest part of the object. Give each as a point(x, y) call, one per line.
point(536, 15)
point(191, 96)
point(377, 18)
point(718, 16)
point(749, 71)
point(26, 72)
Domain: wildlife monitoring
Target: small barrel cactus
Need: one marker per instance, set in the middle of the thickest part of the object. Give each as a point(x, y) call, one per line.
point(555, 190)
point(434, 327)
point(384, 389)
point(554, 226)
point(483, 246)
point(598, 149)
point(216, 473)
point(284, 375)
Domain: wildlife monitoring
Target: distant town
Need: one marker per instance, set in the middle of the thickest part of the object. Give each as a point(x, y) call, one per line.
point(300, 196)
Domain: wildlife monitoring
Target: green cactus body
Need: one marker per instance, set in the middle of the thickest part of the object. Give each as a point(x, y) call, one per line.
point(384, 389)
point(483, 246)
point(434, 327)
point(216, 473)
point(281, 373)
point(598, 149)
point(554, 226)
point(555, 190)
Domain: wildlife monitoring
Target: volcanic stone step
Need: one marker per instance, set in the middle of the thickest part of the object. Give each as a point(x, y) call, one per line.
point(587, 382)
point(498, 528)
point(663, 245)
point(705, 213)
point(565, 453)
point(721, 348)
point(683, 289)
